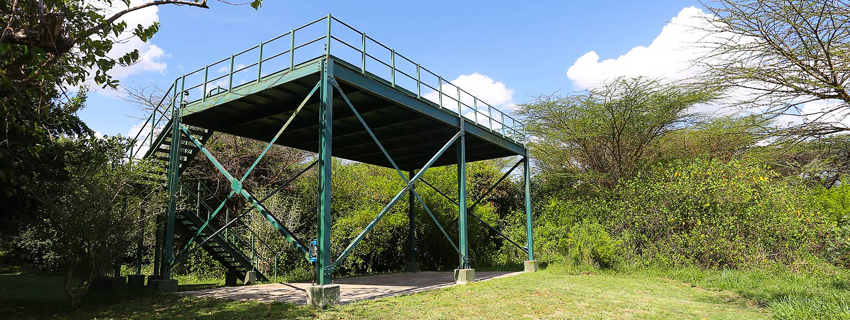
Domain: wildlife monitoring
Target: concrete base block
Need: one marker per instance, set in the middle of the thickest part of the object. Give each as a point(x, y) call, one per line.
point(412, 267)
point(165, 286)
point(323, 296)
point(108, 284)
point(231, 279)
point(531, 265)
point(464, 276)
point(152, 281)
point(250, 278)
point(136, 281)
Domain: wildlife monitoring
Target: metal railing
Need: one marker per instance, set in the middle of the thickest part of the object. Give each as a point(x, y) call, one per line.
point(278, 55)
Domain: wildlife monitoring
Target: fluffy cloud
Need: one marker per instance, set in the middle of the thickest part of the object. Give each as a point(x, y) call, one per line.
point(151, 56)
point(669, 56)
point(494, 93)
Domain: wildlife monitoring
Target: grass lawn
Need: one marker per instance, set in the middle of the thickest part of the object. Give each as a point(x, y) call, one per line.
point(545, 294)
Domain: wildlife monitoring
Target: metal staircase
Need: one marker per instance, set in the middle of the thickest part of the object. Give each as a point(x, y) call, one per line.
point(158, 140)
point(223, 251)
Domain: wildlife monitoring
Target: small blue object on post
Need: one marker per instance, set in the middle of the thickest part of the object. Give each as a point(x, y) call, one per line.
point(314, 245)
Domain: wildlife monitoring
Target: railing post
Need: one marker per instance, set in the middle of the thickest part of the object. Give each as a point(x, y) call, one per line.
point(490, 116)
point(328, 45)
point(418, 83)
point(475, 105)
point(363, 51)
point(206, 79)
point(440, 89)
point(260, 64)
point(392, 62)
point(291, 49)
point(503, 129)
point(459, 104)
point(230, 76)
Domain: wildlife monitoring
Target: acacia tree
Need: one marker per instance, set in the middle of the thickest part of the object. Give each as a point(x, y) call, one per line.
point(603, 136)
point(783, 54)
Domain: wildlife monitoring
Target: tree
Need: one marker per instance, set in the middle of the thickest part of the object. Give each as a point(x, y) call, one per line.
point(87, 221)
point(602, 136)
point(50, 50)
point(784, 54)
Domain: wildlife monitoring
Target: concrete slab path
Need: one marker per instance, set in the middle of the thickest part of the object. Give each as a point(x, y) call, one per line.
point(351, 289)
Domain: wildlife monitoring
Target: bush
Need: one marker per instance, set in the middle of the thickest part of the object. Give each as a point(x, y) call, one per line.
point(589, 243)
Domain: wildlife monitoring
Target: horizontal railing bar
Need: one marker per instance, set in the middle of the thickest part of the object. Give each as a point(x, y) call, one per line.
point(345, 24)
point(378, 43)
point(276, 55)
point(275, 38)
point(309, 43)
point(347, 44)
point(311, 23)
point(245, 67)
point(245, 51)
point(379, 60)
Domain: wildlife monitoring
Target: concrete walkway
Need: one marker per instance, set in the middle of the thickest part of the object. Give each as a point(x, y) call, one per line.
point(351, 289)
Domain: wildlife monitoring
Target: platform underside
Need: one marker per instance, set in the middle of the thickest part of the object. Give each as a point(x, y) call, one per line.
point(411, 129)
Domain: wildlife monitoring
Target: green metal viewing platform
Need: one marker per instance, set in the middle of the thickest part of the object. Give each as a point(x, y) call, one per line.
point(328, 88)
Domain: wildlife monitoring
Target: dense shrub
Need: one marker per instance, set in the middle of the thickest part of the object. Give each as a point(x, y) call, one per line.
point(714, 214)
point(707, 213)
point(589, 243)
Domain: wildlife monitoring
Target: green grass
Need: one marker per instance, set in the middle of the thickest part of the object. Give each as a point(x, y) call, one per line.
point(563, 292)
point(546, 294)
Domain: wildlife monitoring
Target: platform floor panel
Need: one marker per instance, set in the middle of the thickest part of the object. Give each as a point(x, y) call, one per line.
point(410, 130)
point(351, 289)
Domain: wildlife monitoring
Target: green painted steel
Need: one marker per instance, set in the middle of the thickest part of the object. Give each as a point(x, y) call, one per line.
point(236, 186)
point(461, 191)
point(411, 223)
point(402, 118)
point(173, 175)
point(395, 199)
point(528, 226)
point(323, 252)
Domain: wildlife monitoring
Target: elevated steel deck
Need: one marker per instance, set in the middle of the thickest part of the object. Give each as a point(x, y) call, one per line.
point(412, 118)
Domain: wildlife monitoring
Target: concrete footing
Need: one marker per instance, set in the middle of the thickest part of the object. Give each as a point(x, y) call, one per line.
point(531, 265)
point(323, 296)
point(412, 267)
point(464, 276)
point(108, 284)
point(164, 286)
point(136, 281)
point(231, 279)
point(250, 278)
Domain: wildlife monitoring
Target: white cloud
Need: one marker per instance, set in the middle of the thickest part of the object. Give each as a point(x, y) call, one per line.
point(487, 90)
point(150, 55)
point(142, 133)
point(670, 55)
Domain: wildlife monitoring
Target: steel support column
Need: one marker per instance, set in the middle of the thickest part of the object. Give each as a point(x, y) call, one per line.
point(461, 191)
point(529, 229)
point(173, 175)
point(323, 254)
point(411, 217)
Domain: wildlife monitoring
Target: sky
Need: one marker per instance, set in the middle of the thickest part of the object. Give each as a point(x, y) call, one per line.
point(504, 52)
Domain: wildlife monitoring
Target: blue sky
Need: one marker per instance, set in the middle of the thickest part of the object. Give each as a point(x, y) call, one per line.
point(522, 48)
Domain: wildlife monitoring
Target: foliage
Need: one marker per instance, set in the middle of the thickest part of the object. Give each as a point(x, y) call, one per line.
point(603, 136)
point(589, 243)
point(783, 54)
point(86, 222)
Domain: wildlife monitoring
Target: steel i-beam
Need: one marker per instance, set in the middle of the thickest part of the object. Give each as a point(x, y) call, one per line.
point(323, 250)
point(461, 191)
point(173, 175)
point(529, 229)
